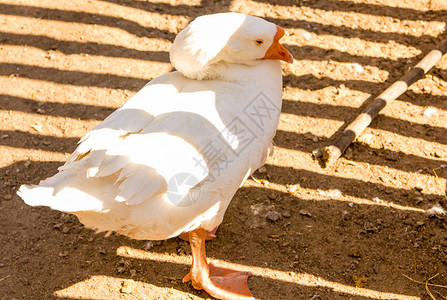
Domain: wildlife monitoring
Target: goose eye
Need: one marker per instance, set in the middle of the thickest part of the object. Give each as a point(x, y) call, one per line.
point(259, 42)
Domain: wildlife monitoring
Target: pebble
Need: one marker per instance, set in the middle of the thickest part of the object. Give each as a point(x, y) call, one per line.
point(23, 260)
point(430, 112)
point(148, 245)
point(436, 211)
point(316, 153)
point(331, 193)
point(305, 213)
point(420, 223)
point(27, 163)
point(292, 188)
point(360, 281)
point(307, 36)
point(272, 196)
point(63, 254)
point(37, 127)
point(262, 169)
point(358, 68)
point(286, 214)
point(349, 153)
point(392, 156)
point(438, 154)
point(7, 197)
point(354, 253)
point(273, 216)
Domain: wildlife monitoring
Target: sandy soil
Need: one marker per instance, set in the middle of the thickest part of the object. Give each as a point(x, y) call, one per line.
point(349, 232)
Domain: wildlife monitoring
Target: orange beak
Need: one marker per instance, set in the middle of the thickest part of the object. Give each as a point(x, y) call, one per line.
point(276, 50)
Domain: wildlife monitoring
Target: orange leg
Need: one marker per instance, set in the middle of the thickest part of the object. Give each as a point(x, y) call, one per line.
point(209, 235)
point(219, 282)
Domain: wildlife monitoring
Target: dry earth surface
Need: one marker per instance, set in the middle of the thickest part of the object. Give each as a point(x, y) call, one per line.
point(306, 232)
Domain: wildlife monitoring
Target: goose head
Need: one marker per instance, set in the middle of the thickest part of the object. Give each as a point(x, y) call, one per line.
point(206, 45)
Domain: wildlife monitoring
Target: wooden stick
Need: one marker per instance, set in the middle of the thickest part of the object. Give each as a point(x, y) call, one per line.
point(332, 152)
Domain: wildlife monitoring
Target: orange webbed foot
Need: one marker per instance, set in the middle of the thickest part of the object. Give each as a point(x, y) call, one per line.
point(222, 283)
point(219, 282)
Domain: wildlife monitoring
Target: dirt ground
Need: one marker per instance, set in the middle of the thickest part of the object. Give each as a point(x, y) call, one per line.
point(362, 229)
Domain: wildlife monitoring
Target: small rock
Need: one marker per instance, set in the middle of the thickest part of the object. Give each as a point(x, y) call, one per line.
point(436, 211)
point(354, 253)
point(27, 163)
point(392, 156)
point(360, 281)
point(23, 260)
point(438, 154)
point(262, 169)
point(418, 188)
point(257, 208)
point(430, 112)
point(307, 36)
point(57, 226)
point(305, 213)
point(292, 188)
point(148, 245)
point(286, 214)
point(46, 143)
point(316, 153)
point(358, 68)
point(37, 127)
point(331, 193)
point(348, 153)
point(273, 216)
point(63, 254)
point(377, 200)
point(7, 197)
point(419, 224)
point(272, 196)
point(128, 286)
point(122, 266)
point(133, 272)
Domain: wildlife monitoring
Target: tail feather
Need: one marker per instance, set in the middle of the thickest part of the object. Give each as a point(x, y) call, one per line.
point(55, 192)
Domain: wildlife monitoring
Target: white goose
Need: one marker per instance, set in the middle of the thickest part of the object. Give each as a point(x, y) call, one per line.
point(171, 158)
